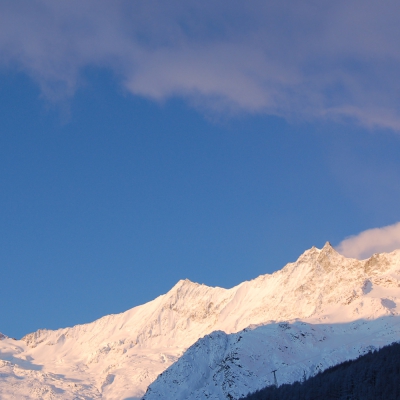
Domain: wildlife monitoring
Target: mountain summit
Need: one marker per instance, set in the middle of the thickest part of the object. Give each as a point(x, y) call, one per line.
point(119, 356)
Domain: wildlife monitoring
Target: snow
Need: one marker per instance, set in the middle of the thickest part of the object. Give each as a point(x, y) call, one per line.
point(119, 356)
point(221, 366)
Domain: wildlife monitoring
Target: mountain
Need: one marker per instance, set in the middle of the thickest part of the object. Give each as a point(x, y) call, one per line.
point(119, 356)
point(221, 366)
point(351, 307)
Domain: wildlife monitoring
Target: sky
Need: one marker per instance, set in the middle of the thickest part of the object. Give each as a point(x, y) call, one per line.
point(146, 142)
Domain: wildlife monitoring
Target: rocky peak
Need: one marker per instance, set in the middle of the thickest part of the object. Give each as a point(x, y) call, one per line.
point(184, 284)
point(328, 258)
point(320, 260)
point(376, 263)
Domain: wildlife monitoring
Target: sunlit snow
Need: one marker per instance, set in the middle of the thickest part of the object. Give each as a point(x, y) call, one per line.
point(318, 311)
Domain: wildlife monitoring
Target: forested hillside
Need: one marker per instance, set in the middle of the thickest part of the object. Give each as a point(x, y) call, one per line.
point(373, 376)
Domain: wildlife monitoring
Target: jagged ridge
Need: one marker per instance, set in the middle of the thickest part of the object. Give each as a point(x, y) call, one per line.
point(120, 355)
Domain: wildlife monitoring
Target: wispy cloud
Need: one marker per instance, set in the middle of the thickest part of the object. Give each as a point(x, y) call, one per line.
point(371, 241)
point(298, 60)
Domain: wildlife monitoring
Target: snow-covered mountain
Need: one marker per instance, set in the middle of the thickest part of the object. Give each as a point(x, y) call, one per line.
point(119, 356)
point(221, 366)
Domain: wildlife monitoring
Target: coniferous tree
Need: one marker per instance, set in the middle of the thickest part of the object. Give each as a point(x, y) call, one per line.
point(375, 375)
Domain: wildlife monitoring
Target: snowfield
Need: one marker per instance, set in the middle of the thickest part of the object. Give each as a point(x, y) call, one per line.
point(318, 311)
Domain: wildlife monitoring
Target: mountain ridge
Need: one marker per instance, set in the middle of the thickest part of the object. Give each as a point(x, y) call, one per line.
point(118, 356)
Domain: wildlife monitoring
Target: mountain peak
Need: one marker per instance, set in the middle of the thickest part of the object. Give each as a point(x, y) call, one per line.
point(328, 250)
point(185, 283)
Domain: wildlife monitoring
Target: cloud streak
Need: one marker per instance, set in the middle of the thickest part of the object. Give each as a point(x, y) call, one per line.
point(336, 60)
point(371, 241)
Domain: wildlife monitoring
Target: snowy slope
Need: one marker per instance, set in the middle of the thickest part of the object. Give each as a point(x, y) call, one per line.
point(221, 366)
point(118, 356)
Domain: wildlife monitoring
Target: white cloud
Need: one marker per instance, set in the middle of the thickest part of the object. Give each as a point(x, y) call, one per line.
point(294, 59)
point(371, 241)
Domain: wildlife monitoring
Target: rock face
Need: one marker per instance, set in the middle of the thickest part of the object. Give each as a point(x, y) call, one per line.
point(119, 356)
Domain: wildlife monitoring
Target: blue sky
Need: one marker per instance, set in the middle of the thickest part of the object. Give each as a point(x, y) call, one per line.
point(142, 143)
